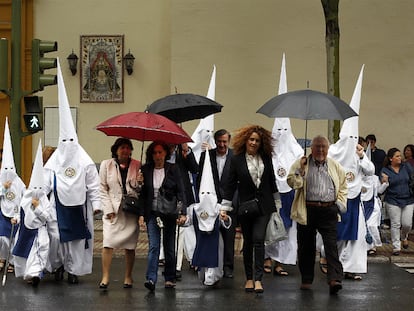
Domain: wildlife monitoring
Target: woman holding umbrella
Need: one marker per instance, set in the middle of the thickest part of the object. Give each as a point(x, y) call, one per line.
point(159, 174)
point(251, 171)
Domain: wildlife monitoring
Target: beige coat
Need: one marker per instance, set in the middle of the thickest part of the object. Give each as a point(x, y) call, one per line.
point(297, 182)
point(123, 231)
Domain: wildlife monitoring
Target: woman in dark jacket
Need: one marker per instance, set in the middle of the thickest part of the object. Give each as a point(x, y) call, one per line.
point(157, 172)
point(251, 172)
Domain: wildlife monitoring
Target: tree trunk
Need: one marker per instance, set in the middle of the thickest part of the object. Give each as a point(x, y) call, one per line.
point(330, 9)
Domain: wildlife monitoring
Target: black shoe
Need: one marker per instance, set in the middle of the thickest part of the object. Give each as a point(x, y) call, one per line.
point(59, 273)
point(72, 279)
point(150, 285)
point(103, 286)
point(178, 275)
point(35, 281)
point(334, 287)
point(228, 273)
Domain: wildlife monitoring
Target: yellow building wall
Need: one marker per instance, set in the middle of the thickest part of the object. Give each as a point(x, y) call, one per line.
point(177, 42)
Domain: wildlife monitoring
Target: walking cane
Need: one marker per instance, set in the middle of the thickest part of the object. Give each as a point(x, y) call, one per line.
point(6, 266)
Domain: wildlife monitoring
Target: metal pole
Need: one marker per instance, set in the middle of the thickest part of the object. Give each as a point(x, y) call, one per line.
point(16, 91)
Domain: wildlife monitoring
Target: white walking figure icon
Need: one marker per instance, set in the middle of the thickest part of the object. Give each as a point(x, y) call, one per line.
point(34, 122)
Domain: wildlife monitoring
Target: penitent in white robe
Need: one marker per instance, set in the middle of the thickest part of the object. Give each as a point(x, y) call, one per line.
point(37, 262)
point(210, 275)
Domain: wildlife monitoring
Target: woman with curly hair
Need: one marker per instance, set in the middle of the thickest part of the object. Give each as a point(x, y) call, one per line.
point(251, 172)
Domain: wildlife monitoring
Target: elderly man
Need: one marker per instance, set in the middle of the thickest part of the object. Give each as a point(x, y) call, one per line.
point(321, 192)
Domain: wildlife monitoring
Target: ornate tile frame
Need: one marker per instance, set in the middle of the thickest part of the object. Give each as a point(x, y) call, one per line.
point(101, 69)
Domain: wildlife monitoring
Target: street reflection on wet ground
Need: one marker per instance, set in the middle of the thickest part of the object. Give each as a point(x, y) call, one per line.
point(385, 287)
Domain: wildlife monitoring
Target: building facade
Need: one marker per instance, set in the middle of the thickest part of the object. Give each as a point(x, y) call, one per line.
point(177, 42)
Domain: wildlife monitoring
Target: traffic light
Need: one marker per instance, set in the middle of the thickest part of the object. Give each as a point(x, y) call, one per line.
point(40, 64)
point(33, 118)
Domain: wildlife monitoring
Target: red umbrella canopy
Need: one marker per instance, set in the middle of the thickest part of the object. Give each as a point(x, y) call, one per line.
point(144, 126)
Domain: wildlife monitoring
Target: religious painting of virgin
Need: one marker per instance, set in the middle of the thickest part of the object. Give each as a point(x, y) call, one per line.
point(101, 69)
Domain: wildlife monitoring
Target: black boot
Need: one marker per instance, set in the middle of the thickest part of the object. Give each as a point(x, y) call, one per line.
point(59, 273)
point(35, 281)
point(72, 279)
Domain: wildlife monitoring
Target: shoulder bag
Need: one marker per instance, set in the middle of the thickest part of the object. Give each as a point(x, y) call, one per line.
point(130, 204)
point(249, 208)
point(166, 199)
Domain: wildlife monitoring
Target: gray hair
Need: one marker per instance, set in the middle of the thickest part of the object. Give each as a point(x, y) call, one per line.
point(320, 137)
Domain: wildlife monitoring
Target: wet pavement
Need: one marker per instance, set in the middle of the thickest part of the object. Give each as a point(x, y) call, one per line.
point(384, 253)
point(385, 287)
point(388, 285)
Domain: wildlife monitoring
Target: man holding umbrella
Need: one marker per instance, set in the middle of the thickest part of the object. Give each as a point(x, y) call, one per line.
point(321, 190)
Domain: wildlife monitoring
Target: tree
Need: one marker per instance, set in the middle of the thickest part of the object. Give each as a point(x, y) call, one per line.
point(330, 10)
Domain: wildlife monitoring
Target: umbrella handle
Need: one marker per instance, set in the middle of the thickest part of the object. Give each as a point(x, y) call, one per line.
point(306, 133)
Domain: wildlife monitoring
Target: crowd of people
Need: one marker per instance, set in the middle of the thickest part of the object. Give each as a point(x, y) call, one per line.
point(49, 229)
point(332, 201)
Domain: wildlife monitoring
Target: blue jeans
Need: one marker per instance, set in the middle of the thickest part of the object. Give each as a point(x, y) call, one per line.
point(154, 237)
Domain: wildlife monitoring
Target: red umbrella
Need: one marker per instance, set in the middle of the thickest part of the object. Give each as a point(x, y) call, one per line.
point(144, 126)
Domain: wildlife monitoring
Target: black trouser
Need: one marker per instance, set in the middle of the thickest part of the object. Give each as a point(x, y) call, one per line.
point(254, 231)
point(324, 220)
point(228, 242)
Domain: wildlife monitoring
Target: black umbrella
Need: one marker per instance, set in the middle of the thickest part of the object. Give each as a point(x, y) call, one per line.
point(307, 105)
point(184, 107)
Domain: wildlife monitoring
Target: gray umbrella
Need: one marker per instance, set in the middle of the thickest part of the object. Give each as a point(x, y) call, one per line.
point(307, 105)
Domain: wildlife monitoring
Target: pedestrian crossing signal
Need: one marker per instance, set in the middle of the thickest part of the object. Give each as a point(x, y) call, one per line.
point(33, 122)
point(33, 118)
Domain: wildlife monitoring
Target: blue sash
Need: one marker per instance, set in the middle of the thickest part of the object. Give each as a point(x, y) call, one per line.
point(287, 199)
point(348, 227)
point(25, 240)
point(6, 226)
point(368, 208)
point(71, 221)
point(206, 251)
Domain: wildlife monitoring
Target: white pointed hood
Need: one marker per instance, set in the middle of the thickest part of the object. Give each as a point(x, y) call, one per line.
point(69, 159)
point(286, 148)
point(12, 195)
point(36, 180)
point(344, 149)
point(207, 210)
point(8, 169)
point(35, 191)
point(205, 129)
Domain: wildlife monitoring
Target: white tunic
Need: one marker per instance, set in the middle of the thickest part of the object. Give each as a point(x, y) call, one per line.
point(37, 261)
point(74, 256)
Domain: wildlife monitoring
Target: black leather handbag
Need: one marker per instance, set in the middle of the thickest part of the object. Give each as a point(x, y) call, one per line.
point(166, 202)
point(249, 208)
point(130, 204)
